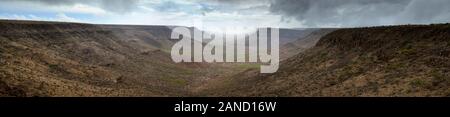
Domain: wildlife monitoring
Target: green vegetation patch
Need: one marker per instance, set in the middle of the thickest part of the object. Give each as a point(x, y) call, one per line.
point(418, 83)
point(176, 81)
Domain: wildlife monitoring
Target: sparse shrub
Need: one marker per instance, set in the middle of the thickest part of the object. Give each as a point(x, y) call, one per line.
point(395, 66)
point(418, 83)
point(248, 66)
point(408, 50)
point(439, 78)
point(53, 66)
point(176, 81)
point(349, 72)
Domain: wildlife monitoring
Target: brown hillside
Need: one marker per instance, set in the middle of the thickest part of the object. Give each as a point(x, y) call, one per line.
point(379, 61)
point(68, 59)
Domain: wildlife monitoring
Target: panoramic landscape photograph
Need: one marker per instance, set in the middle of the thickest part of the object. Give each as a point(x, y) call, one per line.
point(224, 48)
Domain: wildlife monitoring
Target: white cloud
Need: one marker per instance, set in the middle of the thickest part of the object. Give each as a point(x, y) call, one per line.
point(58, 17)
point(22, 17)
point(80, 8)
point(64, 17)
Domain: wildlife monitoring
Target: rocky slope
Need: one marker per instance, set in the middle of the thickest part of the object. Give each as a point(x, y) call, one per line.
point(411, 60)
point(69, 59)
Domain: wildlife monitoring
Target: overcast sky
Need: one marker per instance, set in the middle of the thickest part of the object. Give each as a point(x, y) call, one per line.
point(250, 13)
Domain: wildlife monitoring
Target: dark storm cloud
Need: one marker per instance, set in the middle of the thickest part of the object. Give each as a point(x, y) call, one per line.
point(346, 13)
point(339, 12)
point(317, 13)
point(423, 11)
